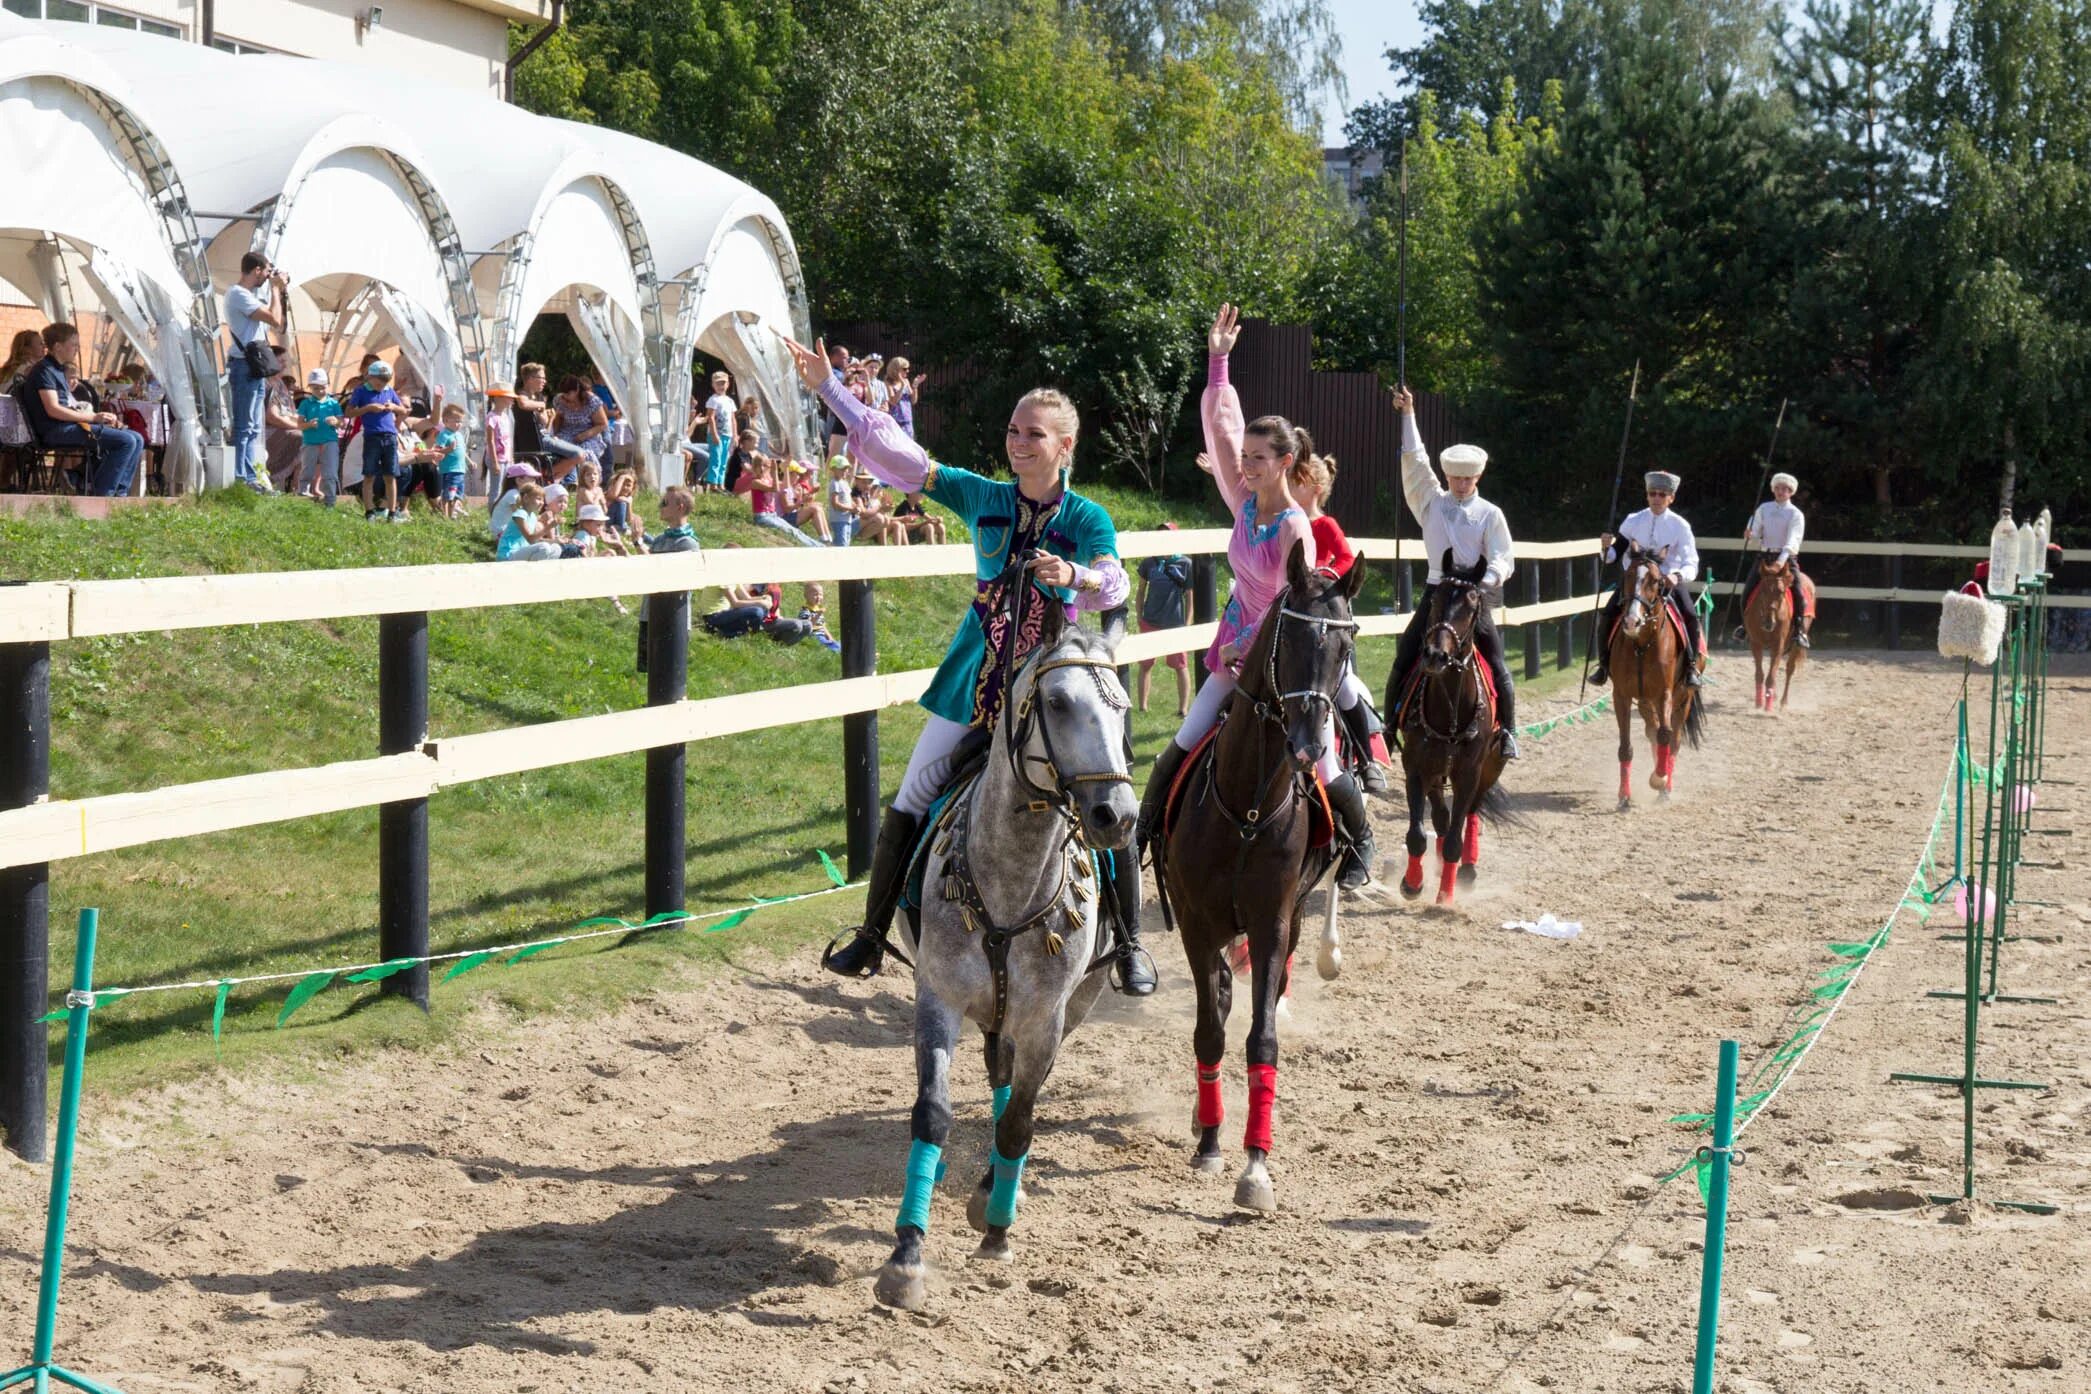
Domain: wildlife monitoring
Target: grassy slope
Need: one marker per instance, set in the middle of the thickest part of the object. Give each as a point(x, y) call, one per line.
point(513, 857)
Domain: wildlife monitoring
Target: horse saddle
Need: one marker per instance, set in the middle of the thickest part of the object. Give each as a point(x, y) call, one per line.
point(967, 761)
point(1321, 820)
point(1670, 612)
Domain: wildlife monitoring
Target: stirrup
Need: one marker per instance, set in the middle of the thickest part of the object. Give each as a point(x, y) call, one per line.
point(1802, 639)
point(1132, 970)
point(1507, 736)
point(855, 953)
point(1355, 870)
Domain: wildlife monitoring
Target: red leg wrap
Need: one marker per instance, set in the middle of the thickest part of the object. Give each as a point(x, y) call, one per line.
point(1210, 1110)
point(1473, 857)
point(1413, 877)
point(1263, 1097)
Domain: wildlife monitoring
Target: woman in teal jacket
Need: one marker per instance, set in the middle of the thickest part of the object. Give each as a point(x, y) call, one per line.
point(1075, 550)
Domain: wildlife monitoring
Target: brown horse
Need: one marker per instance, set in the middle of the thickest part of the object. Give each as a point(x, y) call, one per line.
point(1648, 661)
point(1238, 854)
point(1768, 619)
point(1448, 737)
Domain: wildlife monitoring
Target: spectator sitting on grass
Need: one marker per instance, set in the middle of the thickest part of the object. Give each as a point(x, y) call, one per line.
point(802, 500)
point(760, 481)
point(527, 537)
point(513, 480)
point(591, 487)
point(593, 537)
point(921, 524)
point(815, 614)
point(620, 500)
point(877, 522)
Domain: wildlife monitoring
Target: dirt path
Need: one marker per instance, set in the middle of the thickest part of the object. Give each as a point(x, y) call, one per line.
point(692, 1194)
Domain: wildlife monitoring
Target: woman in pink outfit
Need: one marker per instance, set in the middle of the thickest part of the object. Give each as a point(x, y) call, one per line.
point(1251, 465)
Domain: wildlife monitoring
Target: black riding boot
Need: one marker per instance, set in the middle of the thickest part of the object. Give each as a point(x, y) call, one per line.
point(865, 948)
point(1348, 802)
point(1132, 971)
point(1358, 724)
point(1164, 774)
point(1603, 641)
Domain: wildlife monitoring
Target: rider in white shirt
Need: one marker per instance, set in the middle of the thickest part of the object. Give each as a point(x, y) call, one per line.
point(1778, 526)
point(1456, 519)
point(1655, 529)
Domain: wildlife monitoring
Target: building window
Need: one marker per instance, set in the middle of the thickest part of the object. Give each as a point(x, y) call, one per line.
point(225, 45)
point(84, 12)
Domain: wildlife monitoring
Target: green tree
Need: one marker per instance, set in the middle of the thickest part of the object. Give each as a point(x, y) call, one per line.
point(1859, 306)
point(1651, 231)
point(2007, 128)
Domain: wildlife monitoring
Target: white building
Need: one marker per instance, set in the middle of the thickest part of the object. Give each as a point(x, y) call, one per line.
point(136, 167)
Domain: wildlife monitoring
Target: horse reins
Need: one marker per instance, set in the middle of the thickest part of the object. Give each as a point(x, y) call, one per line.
point(1463, 661)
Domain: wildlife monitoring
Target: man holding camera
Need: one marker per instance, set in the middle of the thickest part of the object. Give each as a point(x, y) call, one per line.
point(253, 307)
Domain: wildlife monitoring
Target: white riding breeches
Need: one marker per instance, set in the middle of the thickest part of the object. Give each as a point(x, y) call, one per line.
point(930, 764)
point(1205, 714)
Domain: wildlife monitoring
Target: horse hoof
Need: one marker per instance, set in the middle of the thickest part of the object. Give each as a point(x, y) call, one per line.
point(1329, 962)
point(1255, 1192)
point(1663, 797)
point(904, 1286)
point(1208, 1163)
point(1468, 873)
point(1411, 889)
point(1626, 805)
point(1285, 1009)
point(995, 1248)
point(1655, 780)
point(976, 1209)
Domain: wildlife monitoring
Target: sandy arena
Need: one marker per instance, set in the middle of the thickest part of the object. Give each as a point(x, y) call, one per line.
point(693, 1193)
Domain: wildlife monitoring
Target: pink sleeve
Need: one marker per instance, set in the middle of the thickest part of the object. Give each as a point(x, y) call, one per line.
point(881, 446)
point(1294, 528)
point(1221, 409)
point(1113, 585)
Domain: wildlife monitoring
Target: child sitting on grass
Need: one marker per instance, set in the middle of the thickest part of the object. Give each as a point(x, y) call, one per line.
point(814, 614)
point(527, 537)
point(591, 487)
point(624, 514)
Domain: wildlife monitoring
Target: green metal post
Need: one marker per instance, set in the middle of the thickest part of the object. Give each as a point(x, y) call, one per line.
point(1716, 1221)
point(2008, 816)
point(42, 1370)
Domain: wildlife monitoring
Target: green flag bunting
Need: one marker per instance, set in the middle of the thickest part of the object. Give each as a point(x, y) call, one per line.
point(309, 987)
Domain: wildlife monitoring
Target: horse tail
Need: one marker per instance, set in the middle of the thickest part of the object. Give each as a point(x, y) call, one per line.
point(1695, 721)
point(1496, 807)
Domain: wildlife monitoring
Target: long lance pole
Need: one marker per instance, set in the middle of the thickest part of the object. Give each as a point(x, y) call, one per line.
point(1633, 392)
point(1742, 566)
point(1401, 358)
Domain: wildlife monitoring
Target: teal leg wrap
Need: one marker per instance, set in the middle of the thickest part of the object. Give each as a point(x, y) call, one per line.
point(1001, 1200)
point(1002, 1093)
point(925, 1169)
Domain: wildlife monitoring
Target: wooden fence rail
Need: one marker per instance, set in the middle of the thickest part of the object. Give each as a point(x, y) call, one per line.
point(36, 830)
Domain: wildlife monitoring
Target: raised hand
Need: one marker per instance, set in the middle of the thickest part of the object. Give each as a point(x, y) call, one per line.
point(1205, 462)
point(1226, 328)
point(1404, 401)
point(812, 362)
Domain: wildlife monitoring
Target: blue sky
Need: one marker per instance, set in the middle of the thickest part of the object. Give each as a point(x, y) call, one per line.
point(1369, 28)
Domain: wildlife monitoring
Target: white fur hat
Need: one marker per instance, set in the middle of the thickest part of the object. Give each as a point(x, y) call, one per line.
point(1970, 627)
point(1463, 461)
point(1661, 479)
point(1788, 480)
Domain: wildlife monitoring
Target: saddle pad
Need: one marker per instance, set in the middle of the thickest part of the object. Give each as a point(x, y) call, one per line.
point(1321, 819)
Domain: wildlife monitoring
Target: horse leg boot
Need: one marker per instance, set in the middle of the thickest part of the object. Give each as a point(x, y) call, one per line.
point(865, 949)
point(1156, 798)
point(1348, 802)
point(1132, 970)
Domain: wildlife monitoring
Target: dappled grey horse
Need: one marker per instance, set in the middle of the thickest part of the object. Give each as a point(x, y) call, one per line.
point(1007, 933)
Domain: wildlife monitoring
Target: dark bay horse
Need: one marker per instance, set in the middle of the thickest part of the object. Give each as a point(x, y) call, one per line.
point(1768, 619)
point(1238, 855)
point(1448, 737)
point(1648, 661)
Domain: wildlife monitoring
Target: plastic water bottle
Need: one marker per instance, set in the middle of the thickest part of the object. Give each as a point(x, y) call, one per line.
point(2028, 553)
point(2044, 533)
point(2003, 557)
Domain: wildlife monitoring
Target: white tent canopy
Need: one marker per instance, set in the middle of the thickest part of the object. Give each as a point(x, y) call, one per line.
point(436, 220)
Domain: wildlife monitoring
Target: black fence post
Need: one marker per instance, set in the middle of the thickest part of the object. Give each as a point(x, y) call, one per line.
point(25, 900)
point(667, 682)
point(1895, 605)
point(1535, 632)
point(403, 825)
point(1205, 608)
point(1565, 641)
point(860, 730)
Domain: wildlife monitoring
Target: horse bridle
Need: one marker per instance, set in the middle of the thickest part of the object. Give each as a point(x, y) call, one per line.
point(1060, 797)
point(1271, 710)
point(1463, 659)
